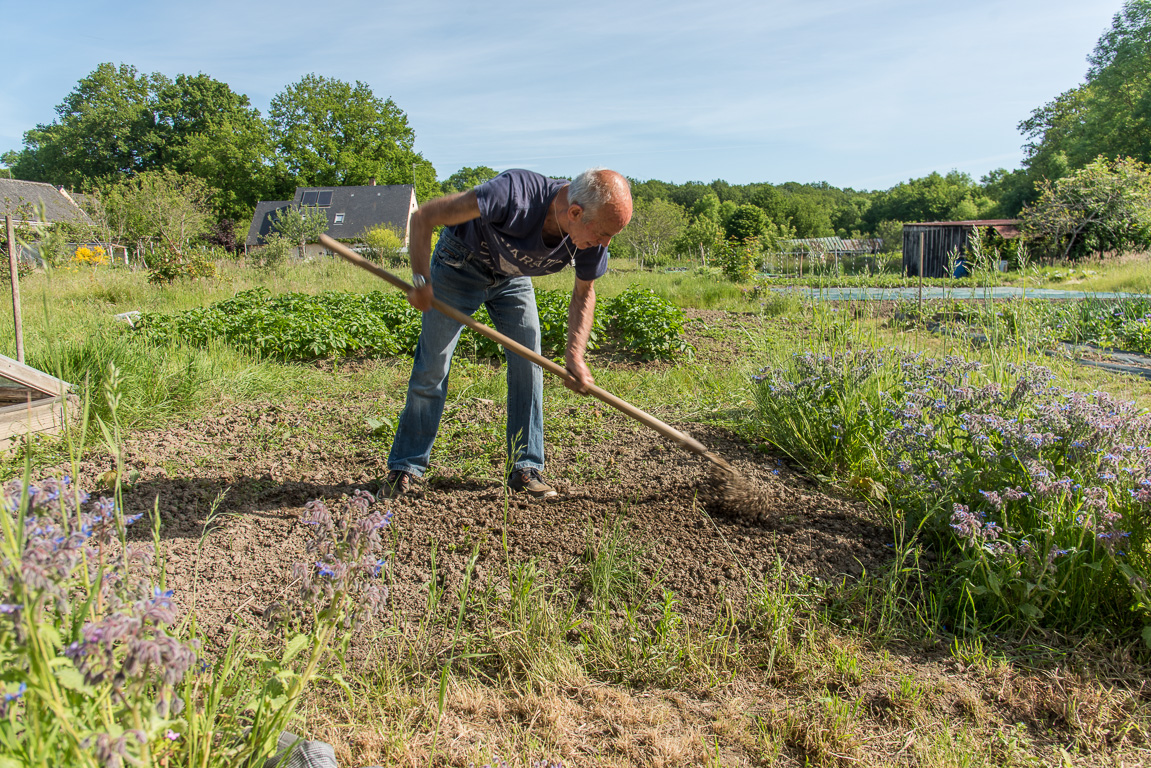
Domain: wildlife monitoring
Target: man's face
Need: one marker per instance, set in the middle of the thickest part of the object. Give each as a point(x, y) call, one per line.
point(609, 221)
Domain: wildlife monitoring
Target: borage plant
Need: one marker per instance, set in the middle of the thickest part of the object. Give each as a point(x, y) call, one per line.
point(90, 660)
point(1039, 494)
point(253, 695)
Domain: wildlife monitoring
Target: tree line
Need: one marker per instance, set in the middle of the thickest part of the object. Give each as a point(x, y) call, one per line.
point(119, 123)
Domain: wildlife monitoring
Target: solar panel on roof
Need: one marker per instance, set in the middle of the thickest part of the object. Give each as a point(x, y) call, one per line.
point(325, 198)
point(310, 198)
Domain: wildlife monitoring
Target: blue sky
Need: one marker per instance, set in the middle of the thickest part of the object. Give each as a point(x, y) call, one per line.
point(861, 93)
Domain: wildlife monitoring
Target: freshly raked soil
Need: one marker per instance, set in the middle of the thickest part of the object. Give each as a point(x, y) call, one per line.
point(647, 484)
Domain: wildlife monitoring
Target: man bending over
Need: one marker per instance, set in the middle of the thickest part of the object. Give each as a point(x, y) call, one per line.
point(496, 237)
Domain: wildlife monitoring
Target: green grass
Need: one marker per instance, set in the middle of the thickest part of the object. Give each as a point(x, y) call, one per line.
point(1131, 275)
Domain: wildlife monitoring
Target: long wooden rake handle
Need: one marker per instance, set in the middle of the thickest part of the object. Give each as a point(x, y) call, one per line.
point(551, 366)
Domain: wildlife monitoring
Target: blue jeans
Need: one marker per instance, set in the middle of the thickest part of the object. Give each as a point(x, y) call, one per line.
point(465, 284)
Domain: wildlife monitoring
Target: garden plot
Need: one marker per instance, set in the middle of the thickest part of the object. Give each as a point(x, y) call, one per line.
point(245, 474)
point(231, 491)
point(622, 624)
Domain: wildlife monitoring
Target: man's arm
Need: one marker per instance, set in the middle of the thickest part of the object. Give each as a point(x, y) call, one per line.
point(581, 313)
point(443, 211)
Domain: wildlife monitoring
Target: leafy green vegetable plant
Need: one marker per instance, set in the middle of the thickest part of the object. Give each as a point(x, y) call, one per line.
point(647, 324)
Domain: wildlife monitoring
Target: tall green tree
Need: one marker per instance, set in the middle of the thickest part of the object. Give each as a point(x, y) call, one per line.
point(687, 195)
point(300, 225)
point(1109, 114)
point(157, 211)
point(328, 132)
point(1011, 190)
point(706, 206)
point(104, 128)
point(204, 128)
point(468, 178)
point(702, 239)
point(1104, 206)
point(654, 227)
point(808, 218)
point(931, 198)
point(747, 222)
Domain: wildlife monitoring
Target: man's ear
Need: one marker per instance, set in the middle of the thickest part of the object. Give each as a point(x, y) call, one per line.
point(575, 212)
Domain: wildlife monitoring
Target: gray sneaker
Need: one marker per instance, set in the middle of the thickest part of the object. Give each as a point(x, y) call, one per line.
point(528, 481)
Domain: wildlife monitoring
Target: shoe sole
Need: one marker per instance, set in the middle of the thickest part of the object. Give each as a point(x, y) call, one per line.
point(549, 494)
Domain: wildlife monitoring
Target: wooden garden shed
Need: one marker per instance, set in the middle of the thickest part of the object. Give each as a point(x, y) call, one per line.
point(943, 239)
point(31, 401)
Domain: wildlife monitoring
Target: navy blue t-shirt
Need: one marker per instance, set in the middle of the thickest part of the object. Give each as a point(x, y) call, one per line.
point(508, 235)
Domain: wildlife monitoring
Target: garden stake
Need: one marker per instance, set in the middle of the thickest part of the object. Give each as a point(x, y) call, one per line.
point(728, 490)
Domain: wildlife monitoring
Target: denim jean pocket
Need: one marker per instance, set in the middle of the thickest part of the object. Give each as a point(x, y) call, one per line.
point(451, 251)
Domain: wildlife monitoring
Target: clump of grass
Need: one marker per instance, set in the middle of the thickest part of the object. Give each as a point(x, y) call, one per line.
point(160, 381)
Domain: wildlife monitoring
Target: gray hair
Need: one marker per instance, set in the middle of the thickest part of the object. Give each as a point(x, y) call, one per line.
point(592, 189)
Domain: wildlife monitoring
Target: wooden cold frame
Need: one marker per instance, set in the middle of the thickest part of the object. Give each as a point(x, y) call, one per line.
point(34, 405)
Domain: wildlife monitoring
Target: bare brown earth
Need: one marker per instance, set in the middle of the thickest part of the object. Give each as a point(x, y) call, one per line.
point(638, 478)
point(231, 486)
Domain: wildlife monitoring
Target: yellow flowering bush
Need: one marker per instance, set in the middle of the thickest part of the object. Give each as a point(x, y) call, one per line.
point(90, 257)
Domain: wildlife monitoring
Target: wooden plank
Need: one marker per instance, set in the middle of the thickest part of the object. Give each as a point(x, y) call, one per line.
point(8, 411)
point(30, 377)
point(18, 395)
point(13, 414)
point(46, 418)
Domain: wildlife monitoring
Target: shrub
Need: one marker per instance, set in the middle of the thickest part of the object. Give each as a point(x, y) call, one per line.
point(385, 245)
point(273, 252)
point(90, 257)
point(739, 260)
point(647, 324)
point(172, 264)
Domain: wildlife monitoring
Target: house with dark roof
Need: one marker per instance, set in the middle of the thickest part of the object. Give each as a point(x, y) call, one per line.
point(351, 212)
point(24, 201)
point(34, 205)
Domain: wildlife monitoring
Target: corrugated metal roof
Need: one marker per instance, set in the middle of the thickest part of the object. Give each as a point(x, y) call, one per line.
point(1007, 228)
point(836, 244)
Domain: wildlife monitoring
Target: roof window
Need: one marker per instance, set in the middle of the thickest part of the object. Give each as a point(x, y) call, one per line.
point(313, 198)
